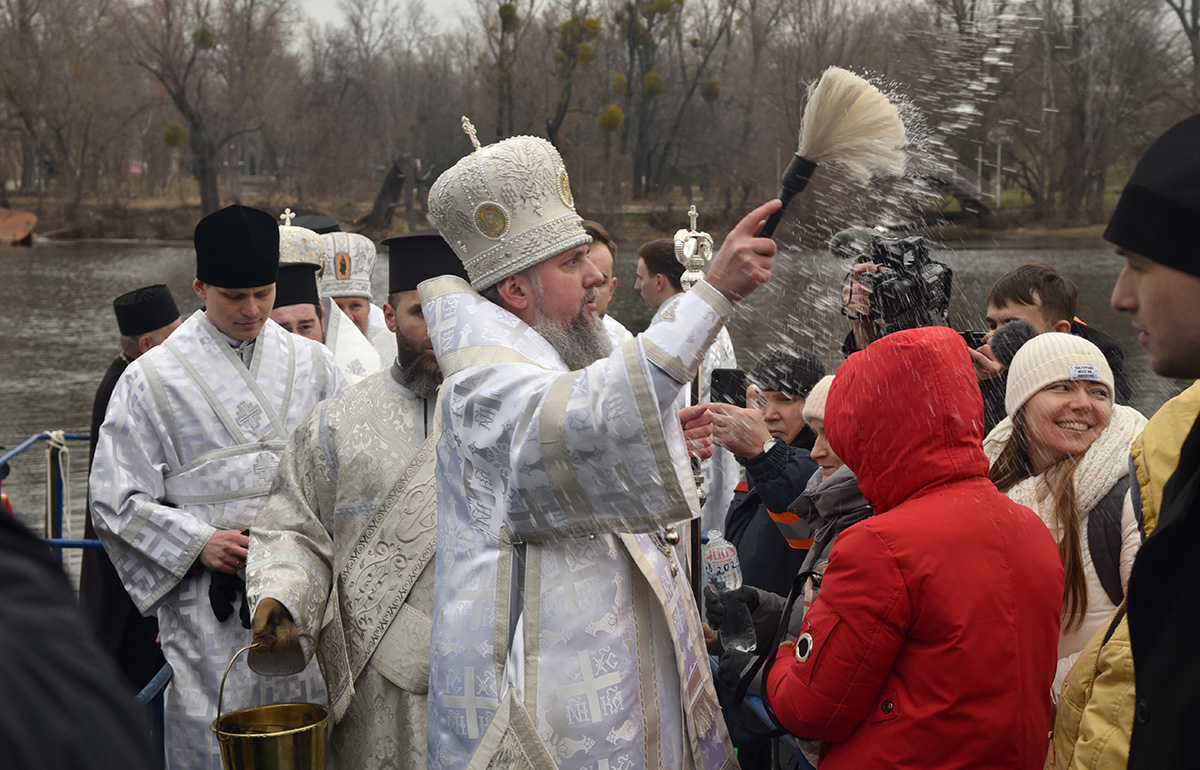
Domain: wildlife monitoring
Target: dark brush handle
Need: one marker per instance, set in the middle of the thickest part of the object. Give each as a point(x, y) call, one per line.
point(795, 179)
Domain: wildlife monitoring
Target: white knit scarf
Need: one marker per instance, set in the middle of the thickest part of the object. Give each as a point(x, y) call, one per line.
point(1105, 463)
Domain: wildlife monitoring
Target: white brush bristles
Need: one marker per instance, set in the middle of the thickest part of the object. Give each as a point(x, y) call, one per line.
point(851, 122)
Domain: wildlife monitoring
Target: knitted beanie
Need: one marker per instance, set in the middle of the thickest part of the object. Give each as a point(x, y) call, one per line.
point(814, 405)
point(789, 369)
point(1160, 206)
point(1050, 358)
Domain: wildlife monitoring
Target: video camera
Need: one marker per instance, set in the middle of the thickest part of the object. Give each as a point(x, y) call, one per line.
point(910, 290)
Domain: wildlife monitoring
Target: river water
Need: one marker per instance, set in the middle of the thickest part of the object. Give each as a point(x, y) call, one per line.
point(60, 333)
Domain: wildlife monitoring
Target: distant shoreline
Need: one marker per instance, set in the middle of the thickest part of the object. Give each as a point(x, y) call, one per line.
point(146, 220)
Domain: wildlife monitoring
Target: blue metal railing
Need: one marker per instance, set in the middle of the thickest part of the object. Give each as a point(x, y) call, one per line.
point(152, 697)
point(55, 523)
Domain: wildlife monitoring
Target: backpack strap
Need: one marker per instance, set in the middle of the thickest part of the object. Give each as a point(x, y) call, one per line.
point(1104, 540)
point(1116, 621)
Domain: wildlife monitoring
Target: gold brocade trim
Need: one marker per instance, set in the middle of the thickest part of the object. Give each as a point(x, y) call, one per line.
point(667, 362)
point(681, 505)
point(715, 299)
point(647, 673)
point(457, 360)
point(533, 623)
point(500, 630)
point(510, 741)
point(441, 286)
point(560, 471)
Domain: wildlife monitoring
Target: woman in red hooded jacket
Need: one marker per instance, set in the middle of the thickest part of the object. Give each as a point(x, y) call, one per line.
point(934, 639)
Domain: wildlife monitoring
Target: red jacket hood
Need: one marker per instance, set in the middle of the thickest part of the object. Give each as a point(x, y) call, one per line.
point(906, 415)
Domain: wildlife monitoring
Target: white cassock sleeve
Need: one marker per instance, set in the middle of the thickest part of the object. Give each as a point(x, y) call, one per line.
point(151, 545)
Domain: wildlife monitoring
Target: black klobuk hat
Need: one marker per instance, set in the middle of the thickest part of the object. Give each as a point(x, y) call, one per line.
point(144, 310)
point(237, 248)
point(418, 256)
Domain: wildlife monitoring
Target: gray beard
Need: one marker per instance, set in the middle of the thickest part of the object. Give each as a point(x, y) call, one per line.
point(577, 342)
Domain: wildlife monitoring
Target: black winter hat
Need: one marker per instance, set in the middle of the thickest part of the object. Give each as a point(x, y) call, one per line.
point(788, 368)
point(1160, 206)
point(318, 223)
point(297, 284)
point(418, 256)
point(144, 310)
point(237, 248)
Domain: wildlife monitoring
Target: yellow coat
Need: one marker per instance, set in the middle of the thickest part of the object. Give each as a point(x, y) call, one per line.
point(1094, 718)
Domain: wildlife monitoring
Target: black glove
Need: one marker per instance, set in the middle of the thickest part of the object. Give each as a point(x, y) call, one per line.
point(223, 591)
point(714, 603)
point(731, 666)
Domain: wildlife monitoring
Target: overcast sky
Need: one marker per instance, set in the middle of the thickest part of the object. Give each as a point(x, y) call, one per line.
point(446, 12)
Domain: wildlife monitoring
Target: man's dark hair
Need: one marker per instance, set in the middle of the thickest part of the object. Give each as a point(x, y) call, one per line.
point(1028, 284)
point(659, 256)
point(601, 234)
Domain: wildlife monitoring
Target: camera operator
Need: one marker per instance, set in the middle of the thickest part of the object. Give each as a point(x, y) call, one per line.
point(892, 285)
point(1046, 298)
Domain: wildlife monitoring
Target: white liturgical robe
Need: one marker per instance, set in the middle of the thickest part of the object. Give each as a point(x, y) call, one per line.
point(565, 634)
point(345, 542)
point(189, 445)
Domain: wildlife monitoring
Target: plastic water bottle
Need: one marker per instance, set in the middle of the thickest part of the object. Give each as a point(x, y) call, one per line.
point(723, 571)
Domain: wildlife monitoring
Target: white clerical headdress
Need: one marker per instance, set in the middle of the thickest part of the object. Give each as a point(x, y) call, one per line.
point(299, 244)
point(349, 260)
point(506, 207)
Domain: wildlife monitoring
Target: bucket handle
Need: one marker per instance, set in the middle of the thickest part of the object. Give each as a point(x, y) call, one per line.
point(320, 665)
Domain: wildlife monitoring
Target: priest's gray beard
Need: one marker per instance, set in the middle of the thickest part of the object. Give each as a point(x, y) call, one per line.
point(577, 342)
point(419, 371)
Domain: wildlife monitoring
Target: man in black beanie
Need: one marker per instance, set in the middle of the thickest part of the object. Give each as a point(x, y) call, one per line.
point(1154, 229)
point(145, 318)
point(370, 450)
point(184, 460)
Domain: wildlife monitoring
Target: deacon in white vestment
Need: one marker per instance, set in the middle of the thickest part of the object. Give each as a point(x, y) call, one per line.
point(185, 457)
point(565, 633)
point(343, 548)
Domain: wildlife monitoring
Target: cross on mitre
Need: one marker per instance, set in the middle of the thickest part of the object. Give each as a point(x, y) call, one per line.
point(469, 128)
point(287, 216)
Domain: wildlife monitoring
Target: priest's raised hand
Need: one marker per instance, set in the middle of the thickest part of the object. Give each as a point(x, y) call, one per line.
point(743, 262)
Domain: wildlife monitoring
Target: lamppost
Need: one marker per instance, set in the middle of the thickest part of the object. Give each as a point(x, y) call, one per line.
point(1000, 136)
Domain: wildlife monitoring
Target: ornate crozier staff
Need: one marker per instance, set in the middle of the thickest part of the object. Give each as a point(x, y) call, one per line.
point(694, 250)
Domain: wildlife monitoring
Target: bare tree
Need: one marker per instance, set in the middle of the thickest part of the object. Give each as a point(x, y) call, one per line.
point(1188, 13)
point(213, 58)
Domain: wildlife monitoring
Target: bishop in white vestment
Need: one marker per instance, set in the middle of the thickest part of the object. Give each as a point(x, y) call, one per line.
point(565, 634)
point(185, 457)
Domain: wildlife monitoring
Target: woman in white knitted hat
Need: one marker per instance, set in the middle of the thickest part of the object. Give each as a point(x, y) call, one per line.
point(1063, 451)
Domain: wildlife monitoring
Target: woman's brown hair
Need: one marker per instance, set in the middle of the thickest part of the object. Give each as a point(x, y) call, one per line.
point(1014, 466)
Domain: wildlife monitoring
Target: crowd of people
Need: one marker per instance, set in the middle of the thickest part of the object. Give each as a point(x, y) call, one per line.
point(475, 501)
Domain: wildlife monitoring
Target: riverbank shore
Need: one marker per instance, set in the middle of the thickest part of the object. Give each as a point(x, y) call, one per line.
point(147, 219)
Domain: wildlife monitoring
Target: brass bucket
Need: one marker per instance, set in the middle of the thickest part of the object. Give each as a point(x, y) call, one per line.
point(278, 736)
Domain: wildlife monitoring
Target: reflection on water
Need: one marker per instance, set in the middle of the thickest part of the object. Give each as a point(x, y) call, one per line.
point(55, 305)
